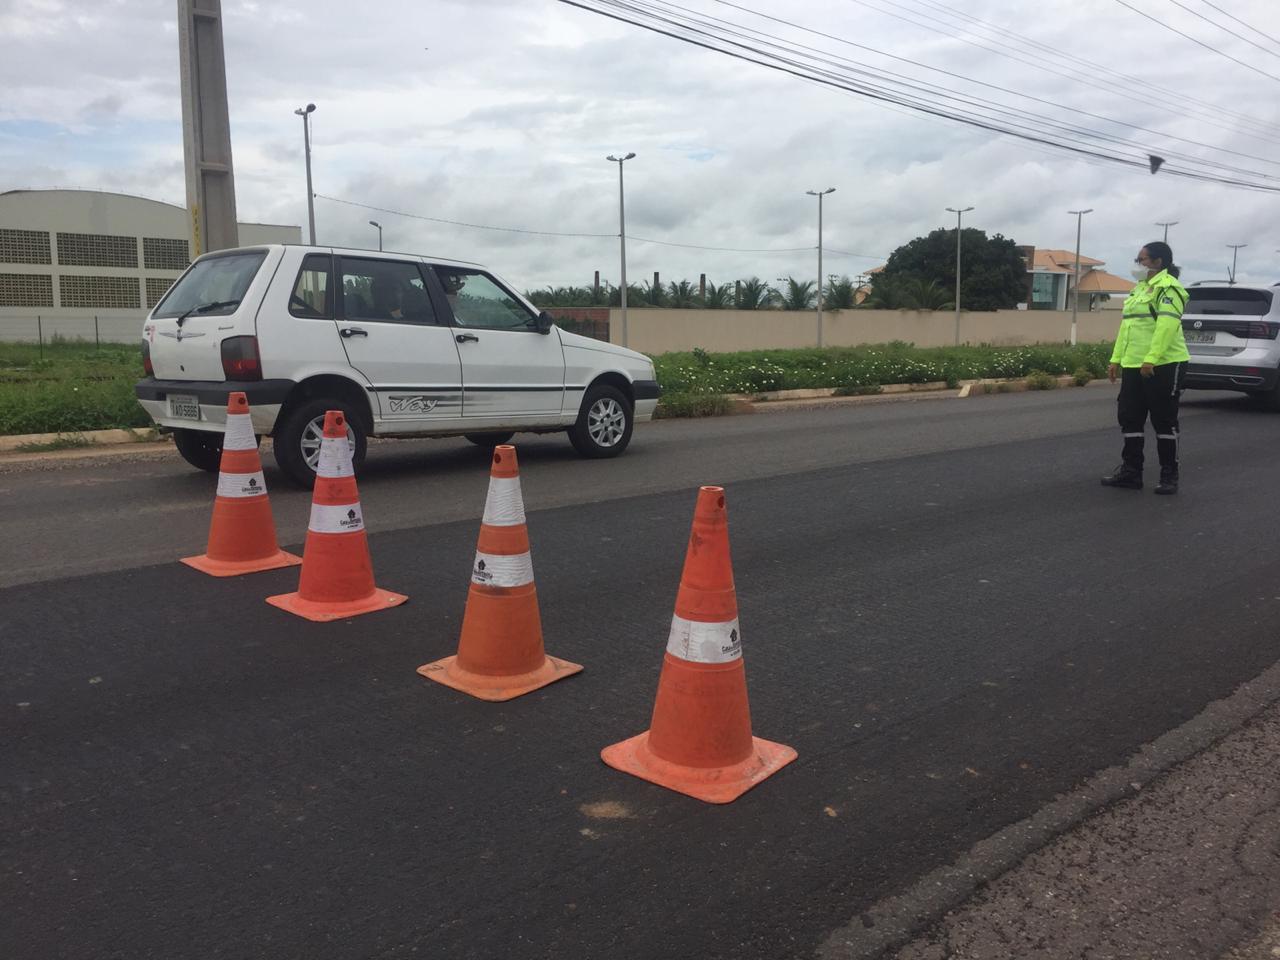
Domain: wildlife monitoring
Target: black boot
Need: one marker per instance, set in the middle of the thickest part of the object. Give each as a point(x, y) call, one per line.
point(1168, 481)
point(1124, 477)
point(1168, 447)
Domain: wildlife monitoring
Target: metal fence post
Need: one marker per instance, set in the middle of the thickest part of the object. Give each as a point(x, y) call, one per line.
point(40, 335)
point(97, 340)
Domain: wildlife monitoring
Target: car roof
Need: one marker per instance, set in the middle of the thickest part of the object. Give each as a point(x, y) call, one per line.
point(386, 254)
point(1227, 285)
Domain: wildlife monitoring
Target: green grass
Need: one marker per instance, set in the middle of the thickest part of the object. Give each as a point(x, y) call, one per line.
point(76, 387)
point(68, 442)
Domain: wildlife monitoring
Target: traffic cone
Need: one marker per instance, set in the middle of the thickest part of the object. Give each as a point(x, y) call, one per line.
point(500, 654)
point(337, 576)
point(242, 534)
point(699, 741)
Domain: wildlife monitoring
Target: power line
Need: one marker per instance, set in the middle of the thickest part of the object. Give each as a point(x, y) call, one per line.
point(587, 236)
point(643, 15)
point(1241, 22)
point(1252, 43)
point(1269, 76)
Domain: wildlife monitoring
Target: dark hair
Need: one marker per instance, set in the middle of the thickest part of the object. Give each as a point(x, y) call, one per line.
point(1159, 250)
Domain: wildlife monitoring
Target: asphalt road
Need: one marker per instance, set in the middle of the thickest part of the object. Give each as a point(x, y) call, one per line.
point(942, 612)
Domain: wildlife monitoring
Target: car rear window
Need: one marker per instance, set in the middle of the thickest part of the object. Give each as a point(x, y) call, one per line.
point(1229, 301)
point(221, 280)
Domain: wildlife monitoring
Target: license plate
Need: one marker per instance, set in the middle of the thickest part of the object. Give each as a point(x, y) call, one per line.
point(1199, 336)
point(184, 406)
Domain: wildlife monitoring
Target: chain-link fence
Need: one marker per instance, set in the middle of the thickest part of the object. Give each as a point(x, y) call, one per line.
point(97, 329)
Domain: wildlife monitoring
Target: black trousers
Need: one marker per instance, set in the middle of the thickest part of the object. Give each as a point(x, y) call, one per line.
point(1157, 397)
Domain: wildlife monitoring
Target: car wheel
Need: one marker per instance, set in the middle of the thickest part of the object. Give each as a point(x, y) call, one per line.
point(297, 439)
point(489, 440)
point(200, 448)
point(604, 423)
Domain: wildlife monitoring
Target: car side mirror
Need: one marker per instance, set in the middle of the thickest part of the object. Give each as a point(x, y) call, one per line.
point(545, 320)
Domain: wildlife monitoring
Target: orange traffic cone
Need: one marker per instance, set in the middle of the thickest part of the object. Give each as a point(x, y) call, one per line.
point(242, 534)
point(337, 575)
point(500, 654)
point(699, 741)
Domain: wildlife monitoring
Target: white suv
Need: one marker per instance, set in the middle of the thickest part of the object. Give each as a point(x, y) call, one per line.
point(406, 346)
point(1231, 334)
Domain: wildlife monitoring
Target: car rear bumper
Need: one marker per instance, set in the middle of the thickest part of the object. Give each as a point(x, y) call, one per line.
point(265, 400)
point(1222, 376)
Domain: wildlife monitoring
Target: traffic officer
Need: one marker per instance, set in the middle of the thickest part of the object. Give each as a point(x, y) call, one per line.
point(1150, 359)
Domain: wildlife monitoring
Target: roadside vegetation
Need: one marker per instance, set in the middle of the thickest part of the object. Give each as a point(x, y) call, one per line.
point(76, 386)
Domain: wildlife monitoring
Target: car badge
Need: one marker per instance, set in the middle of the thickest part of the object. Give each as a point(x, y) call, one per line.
point(179, 335)
point(1198, 324)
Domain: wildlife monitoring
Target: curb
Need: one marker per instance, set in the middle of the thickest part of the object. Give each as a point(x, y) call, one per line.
point(81, 438)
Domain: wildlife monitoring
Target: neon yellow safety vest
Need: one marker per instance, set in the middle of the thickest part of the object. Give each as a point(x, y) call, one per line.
point(1151, 329)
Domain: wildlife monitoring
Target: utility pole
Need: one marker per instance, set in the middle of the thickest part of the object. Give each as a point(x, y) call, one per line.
point(1167, 225)
point(305, 114)
point(1075, 284)
point(375, 223)
point(622, 240)
point(1234, 248)
point(958, 214)
point(820, 194)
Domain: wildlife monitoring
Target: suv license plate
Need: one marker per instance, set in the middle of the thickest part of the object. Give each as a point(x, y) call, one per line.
point(1200, 336)
point(184, 406)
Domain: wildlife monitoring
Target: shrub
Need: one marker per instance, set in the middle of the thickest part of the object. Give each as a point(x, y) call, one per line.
point(1040, 380)
point(1082, 376)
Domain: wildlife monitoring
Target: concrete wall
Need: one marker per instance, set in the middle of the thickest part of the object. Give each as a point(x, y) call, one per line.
point(655, 331)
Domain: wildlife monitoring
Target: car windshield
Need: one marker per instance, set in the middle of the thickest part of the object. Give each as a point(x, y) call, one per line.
point(218, 280)
point(1229, 301)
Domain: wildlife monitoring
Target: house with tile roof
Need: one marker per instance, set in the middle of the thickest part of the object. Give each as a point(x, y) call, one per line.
point(1052, 273)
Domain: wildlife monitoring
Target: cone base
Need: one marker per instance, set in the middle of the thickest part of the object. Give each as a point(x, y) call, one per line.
point(323, 612)
point(498, 688)
point(712, 784)
point(233, 568)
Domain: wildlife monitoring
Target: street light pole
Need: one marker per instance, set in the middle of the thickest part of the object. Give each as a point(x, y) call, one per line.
point(375, 223)
point(305, 113)
point(1075, 284)
point(1167, 225)
point(820, 194)
point(1235, 247)
point(622, 241)
point(958, 214)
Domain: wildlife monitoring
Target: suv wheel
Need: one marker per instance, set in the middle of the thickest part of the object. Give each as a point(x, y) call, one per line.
point(604, 423)
point(297, 439)
point(200, 448)
point(489, 440)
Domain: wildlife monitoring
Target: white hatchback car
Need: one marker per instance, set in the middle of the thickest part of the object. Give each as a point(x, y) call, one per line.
point(1231, 334)
point(406, 346)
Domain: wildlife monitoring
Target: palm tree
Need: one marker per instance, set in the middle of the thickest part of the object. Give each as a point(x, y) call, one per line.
point(654, 294)
point(798, 295)
point(908, 293)
point(682, 294)
point(755, 294)
point(840, 293)
point(718, 298)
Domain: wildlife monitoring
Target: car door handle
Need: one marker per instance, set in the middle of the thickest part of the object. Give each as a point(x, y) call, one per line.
point(350, 332)
point(467, 338)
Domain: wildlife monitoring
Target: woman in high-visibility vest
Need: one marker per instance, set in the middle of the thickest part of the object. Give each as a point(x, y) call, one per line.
point(1150, 360)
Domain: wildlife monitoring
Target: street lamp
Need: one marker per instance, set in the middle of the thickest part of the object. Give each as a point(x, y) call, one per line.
point(958, 214)
point(305, 113)
point(1167, 225)
point(375, 223)
point(1234, 248)
point(622, 240)
point(820, 194)
point(1075, 284)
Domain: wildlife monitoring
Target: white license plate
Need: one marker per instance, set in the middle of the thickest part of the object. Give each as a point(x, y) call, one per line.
point(184, 406)
point(1199, 336)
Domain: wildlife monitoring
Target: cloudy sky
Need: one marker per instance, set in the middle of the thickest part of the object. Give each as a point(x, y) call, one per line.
point(501, 112)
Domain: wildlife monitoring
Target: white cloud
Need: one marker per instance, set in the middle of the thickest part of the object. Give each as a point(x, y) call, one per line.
point(502, 113)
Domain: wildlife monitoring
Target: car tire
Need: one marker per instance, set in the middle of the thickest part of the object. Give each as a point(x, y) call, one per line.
point(604, 425)
point(296, 441)
point(489, 440)
point(200, 448)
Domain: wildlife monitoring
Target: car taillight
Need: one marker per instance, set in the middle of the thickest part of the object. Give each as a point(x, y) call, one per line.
point(146, 359)
point(240, 358)
point(1263, 331)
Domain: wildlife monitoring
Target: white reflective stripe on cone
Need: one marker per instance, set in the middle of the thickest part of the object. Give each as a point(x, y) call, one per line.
point(346, 518)
point(242, 485)
point(704, 642)
point(504, 507)
point(239, 433)
point(335, 458)
point(496, 570)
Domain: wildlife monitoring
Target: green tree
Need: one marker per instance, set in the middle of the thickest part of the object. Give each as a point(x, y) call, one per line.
point(755, 294)
point(683, 294)
point(992, 274)
point(840, 293)
point(718, 298)
point(798, 295)
point(907, 293)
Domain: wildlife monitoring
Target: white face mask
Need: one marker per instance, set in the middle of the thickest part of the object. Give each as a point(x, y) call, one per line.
point(1140, 272)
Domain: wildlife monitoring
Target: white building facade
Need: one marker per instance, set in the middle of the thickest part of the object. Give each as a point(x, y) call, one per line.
point(80, 263)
